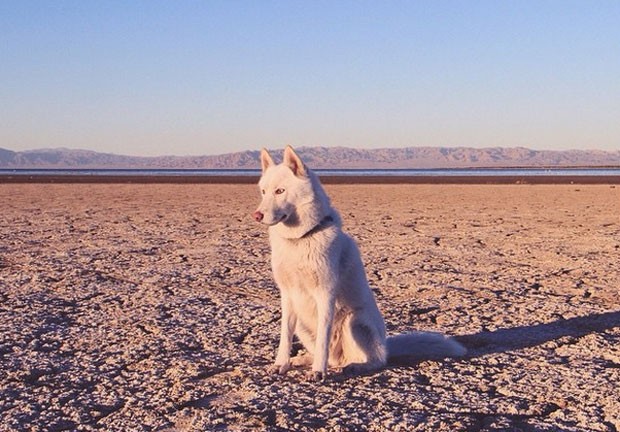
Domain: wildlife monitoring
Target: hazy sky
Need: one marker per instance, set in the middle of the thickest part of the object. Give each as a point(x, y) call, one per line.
point(207, 77)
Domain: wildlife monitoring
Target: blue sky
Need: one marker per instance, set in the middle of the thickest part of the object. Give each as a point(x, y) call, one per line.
point(208, 77)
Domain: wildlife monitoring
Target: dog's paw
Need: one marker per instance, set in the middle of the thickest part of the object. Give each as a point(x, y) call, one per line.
point(350, 370)
point(354, 369)
point(301, 360)
point(276, 369)
point(316, 376)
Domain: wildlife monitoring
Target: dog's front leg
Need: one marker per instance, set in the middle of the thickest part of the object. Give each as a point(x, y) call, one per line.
point(287, 327)
point(325, 316)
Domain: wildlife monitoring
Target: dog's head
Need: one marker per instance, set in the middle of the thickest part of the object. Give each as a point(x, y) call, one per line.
point(284, 187)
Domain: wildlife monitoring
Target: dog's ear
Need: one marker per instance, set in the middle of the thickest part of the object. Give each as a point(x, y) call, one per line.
point(265, 159)
point(294, 162)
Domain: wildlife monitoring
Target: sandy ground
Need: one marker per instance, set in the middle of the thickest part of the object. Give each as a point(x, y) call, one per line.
point(151, 307)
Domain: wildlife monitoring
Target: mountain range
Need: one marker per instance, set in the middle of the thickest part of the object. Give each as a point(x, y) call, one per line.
point(320, 157)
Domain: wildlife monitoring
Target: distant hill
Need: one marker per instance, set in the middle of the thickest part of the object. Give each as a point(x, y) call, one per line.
point(321, 157)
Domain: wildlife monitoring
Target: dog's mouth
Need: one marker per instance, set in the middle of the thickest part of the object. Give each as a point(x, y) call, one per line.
point(276, 220)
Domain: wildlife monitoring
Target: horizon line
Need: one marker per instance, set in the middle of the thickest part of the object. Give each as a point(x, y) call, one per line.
point(278, 149)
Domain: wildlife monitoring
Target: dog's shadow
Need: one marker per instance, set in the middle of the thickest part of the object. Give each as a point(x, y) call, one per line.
point(510, 339)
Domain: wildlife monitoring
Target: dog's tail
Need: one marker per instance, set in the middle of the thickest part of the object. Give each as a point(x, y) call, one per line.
point(418, 346)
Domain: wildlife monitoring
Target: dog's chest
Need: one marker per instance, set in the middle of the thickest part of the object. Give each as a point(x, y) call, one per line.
point(298, 264)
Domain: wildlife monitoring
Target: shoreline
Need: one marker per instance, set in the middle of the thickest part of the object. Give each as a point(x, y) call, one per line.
point(372, 179)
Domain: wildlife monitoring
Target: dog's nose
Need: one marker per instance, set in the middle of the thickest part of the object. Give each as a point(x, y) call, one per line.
point(258, 216)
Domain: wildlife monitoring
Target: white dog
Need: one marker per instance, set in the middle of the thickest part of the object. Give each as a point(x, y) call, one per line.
point(326, 299)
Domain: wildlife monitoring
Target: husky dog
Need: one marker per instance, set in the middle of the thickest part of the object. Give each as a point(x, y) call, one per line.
point(326, 300)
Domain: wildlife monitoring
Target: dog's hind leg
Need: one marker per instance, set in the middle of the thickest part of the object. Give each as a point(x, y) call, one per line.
point(364, 348)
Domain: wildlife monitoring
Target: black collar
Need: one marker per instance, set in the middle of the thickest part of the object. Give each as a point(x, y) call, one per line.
point(325, 222)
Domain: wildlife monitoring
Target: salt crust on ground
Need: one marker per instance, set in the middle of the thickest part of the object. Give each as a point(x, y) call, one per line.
point(151, 307)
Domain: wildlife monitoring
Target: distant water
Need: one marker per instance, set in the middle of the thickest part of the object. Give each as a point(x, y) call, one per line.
point(326, 172)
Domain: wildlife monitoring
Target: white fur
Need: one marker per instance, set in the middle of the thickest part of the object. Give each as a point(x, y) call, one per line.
point(326, 299)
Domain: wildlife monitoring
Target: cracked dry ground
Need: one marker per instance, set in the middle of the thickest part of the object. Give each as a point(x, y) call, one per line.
point(151, 307)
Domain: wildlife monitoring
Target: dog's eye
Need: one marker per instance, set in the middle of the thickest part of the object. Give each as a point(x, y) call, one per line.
point(279, 191)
